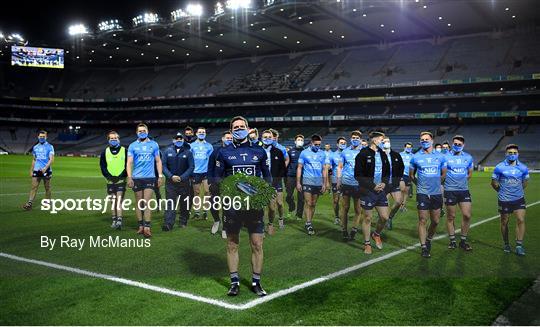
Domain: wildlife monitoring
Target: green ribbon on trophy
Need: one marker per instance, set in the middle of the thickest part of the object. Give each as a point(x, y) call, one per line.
point(251, 190)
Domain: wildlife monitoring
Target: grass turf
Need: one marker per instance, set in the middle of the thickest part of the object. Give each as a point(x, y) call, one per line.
point(450, 288)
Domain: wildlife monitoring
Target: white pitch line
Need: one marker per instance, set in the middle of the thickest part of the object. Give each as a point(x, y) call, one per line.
point(123, 281)
point(250, 304)
point(53, 192)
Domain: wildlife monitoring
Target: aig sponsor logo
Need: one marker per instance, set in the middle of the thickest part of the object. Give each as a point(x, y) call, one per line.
point(430, 170)
point(244, 169)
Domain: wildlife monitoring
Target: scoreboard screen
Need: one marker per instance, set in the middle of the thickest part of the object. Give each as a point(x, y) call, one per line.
point(37, 57)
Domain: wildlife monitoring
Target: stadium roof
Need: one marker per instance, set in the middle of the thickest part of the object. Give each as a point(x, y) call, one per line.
point(237, 29)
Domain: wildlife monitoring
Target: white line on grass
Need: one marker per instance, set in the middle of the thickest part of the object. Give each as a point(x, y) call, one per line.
point(249, 304)
point(53, 192)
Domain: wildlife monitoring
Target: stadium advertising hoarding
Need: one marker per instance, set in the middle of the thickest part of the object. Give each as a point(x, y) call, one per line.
point(37, 57)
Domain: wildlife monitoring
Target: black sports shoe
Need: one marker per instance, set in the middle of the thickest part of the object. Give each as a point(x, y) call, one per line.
point(352, 234)
point(257, 289)
point(428, 245)
point(234, 289)
point(345, 235)
point(310, 230)
point(465, 246)
point(425, 253)
point(452, 245)
point(166, 228)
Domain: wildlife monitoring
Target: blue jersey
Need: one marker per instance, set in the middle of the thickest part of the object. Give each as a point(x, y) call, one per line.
point(429, 168)
point(377, 175)
point(42, 154)
point(313, 166)
point(348, 157)
point(457, 171)
point(144, 156)
point(201, 153)
point(406, 162)
point(510, 178)
point(245, 158)
point(334, 158)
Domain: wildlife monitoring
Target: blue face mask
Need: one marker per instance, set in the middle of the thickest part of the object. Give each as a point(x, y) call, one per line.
point(240, 134)
point(342, 146)
point(227, 142)
point(408, 150)
point(426, 144)
point(41, 140)
point(315, 148)
point(381, 145)
point(255, 141)
point(178, 144)
point(438, 150)
point(512, 157)
point(444, 150)
point(201, 136)
point(268, 141)
point(355, 142)
point(114, 143)
point(142, 135)
point(457, 148)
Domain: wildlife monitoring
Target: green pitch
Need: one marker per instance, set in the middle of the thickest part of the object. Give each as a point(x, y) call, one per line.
point(452, 287)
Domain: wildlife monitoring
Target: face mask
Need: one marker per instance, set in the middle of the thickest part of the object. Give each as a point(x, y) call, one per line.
point(381, 145)
point(41, 140)
point(274, 142)
point(114, 143)
point(240, 134)
point(315, 148)
point(444, 150)
point(188, 138)
point(426, 144)
point(386, 145)
point(142, 135)
point(438, 150)
point(178, 144)
point(201, 136)
point(408, 150)
point(355, 142)
point(268, 141)
point(254, 141)
point(512, 157)
point(342, 146)
point(299, 144)
point(227, 142)
point(457, 148)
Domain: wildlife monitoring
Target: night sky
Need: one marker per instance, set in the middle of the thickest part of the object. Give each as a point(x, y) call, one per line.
point(47, 21)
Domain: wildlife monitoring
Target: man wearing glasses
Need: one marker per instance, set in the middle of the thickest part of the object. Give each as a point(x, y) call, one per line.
point(509, 179)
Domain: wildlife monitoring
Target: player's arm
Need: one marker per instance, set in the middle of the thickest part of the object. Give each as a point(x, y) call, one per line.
point(287, 159)
point(32, 166)
point(129, 166)
point(164, 165)
point(103, 166)
point(299, 168)
point(326, 167)
point(339, 174)
point(495, 180)
point(525, 178)
point(159, 166)
point(191, 167)
point(50, 162)
point(265, 169)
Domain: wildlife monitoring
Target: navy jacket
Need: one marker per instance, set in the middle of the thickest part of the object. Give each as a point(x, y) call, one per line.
point(241, 158)
point(294, 154)
point(179, 162)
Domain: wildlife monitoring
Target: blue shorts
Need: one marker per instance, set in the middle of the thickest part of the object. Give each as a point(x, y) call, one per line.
point(372, 199)
point(315, 190)
point(114, 188)
point(334, 188)
point(352, 191)
point(198, 177)
point(407, 180)
point(42, 175)
point(391, 188)
point(454, 197)
point(429, 202)
point(234, 220)
point(140, 184)
point(278, 186)
point(511, 206)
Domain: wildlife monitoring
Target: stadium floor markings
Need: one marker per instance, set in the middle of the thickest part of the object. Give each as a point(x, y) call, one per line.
point(54, 192)
point(249, 304)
